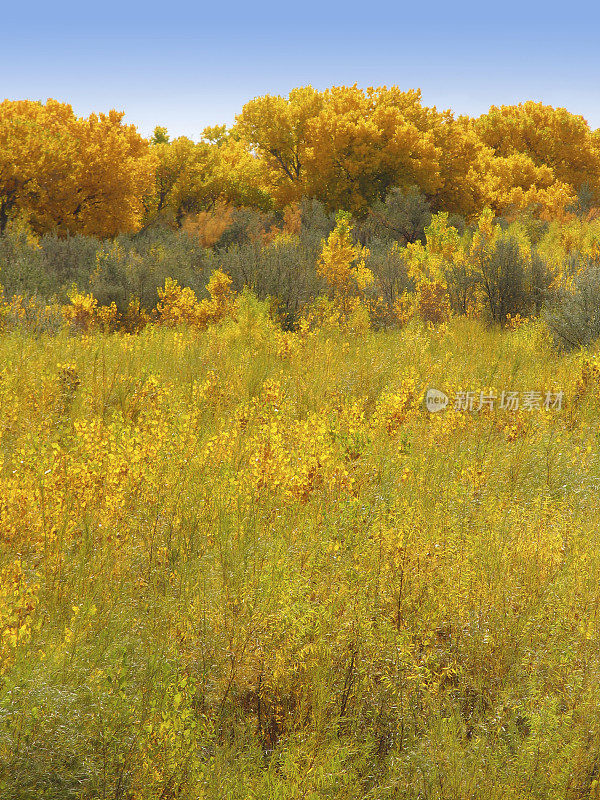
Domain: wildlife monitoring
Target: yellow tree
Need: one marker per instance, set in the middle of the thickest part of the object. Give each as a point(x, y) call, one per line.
point(97, 187)
point(514, 184)
point(240, 174)
point(185, 178)
point(549, 136)
point(342, 263)
point(277, 129)
point(363, 143)
point(192, 177)
point(459, 148)
point(344, 146)
point(70, 174)
point(26, 154)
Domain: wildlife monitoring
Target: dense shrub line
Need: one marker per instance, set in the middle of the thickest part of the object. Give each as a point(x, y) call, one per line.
point(418, 262)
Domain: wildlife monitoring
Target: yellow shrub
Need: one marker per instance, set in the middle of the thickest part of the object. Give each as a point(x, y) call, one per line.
point(18, 601)
point(136, 317)
point(209, 226)
point(82, 311)
point(179, 305)
point(359, 320)
point(432, 302)
point(393, 407)
point(107, 316)
point(513, 323)
point(405, 308)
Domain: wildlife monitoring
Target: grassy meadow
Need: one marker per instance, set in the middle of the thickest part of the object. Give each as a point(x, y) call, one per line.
point(248, 563)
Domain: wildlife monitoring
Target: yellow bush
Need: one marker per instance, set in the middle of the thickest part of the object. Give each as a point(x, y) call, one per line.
point(18, 602)
point(82, 311)
point(432, 302)
point(405, 308)
point(178, 305)
point(209, 226)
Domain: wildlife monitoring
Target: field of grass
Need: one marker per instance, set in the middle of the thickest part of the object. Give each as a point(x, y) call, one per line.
point(244, 563)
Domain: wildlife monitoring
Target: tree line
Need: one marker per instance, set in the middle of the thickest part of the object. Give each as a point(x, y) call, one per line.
point(345, 147)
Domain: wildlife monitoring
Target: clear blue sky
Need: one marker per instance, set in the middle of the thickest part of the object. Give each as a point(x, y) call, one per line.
point(187, 65)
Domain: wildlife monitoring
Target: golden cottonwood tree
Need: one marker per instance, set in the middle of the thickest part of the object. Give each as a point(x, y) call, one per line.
point(185, 178)
point(363, 143)
point(344, 146)
point(23, 154)
point(347, 147)
point(240, 174)
point(514, 183)
point(459, 148)
point(192, 177)
point(277, 129)
point(549, 136)
point(70, 174)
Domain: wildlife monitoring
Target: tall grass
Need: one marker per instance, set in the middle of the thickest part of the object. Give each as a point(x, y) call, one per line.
point(235, 569)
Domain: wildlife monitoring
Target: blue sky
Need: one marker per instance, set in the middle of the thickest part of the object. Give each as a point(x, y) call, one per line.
point(188, 65)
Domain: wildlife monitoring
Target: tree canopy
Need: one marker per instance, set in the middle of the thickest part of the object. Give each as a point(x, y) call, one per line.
point(345, 146)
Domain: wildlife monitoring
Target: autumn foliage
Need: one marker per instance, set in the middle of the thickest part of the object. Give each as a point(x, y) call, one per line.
point(240, 555)
point(69, 174)
point(227, 547)
point(345, 146)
